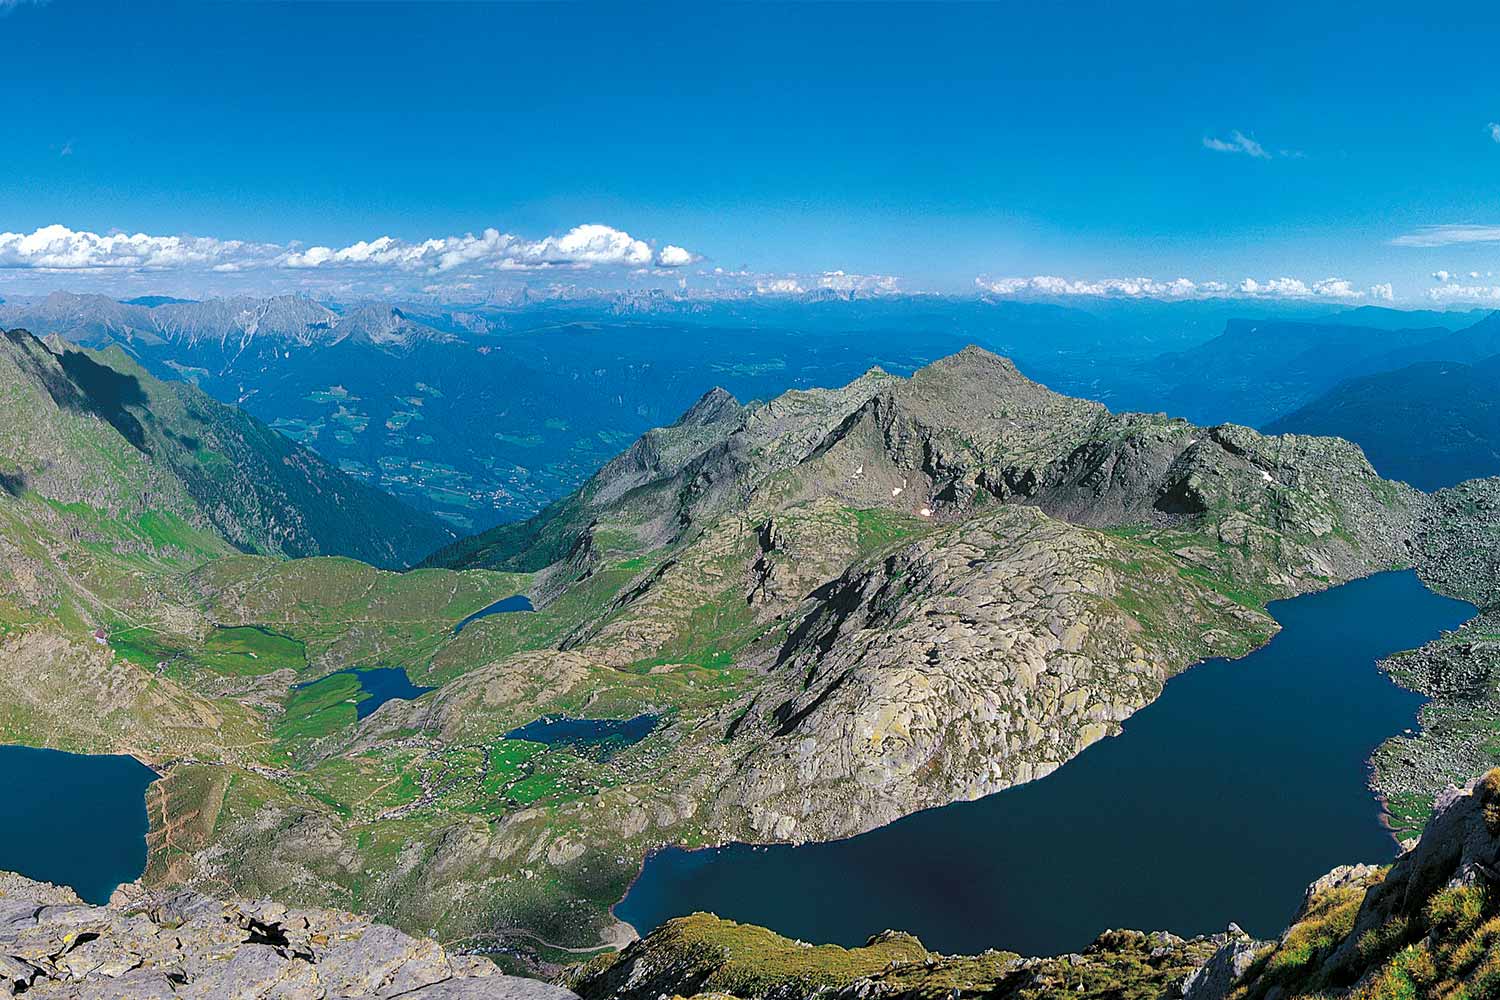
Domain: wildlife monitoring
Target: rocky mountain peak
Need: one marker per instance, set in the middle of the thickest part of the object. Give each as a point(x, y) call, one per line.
point(714, 406)
point(385, 326)
point(978, 374)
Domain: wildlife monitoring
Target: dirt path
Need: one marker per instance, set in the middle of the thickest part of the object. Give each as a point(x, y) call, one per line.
point(617, 936)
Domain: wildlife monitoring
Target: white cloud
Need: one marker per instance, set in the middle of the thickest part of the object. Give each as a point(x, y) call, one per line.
point(1442, 276)
point(581, 246)
point(1337, 288)
point(60, 248)
point(1045, 284)
point(836, 281)
point(1238, 142)
point(1296, 288)
point(1442, 236)
point(1494, 128)
point(1282, 287)
point(839, 281)
point(1182, 288)
point(1464, 293)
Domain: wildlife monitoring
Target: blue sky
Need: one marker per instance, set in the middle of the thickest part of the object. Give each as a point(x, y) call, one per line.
point(933, 144)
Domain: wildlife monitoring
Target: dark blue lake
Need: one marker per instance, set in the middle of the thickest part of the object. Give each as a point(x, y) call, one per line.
point(72, 819)
point(602, 737)
point(1221, 801)
point(516, 602)
point(382, 684)
point(378, 686)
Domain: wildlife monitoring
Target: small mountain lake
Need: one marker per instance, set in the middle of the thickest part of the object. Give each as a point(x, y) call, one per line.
point(1220, 801)
point(598, 737)
point(73, 819)
point(516, 602)
point(377, 685)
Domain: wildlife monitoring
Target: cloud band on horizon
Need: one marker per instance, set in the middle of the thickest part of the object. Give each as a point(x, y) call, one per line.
point(1184, 288)
point(59, 248)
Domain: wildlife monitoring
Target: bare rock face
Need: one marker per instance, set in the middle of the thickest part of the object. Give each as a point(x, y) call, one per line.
point(1215, 978)
point(1458, 541)
point(181, 944)
point(984, 656)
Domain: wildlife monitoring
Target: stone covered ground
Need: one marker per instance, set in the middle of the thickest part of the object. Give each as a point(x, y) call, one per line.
point(145, 945)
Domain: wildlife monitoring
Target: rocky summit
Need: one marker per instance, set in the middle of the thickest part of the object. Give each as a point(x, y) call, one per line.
point(159, 945)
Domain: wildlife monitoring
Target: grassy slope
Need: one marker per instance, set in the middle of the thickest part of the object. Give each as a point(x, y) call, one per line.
point(704, 955)
point(263, 492)
point(1419, 930)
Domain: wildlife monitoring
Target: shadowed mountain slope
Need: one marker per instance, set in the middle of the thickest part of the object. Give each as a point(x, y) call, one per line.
point(251, 486)
point(1433, 424)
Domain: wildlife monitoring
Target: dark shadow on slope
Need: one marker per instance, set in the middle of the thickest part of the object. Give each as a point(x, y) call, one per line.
point(107, 393)
point(789, 719)
point(79, 384)
point(35, 360)
point(837, 599)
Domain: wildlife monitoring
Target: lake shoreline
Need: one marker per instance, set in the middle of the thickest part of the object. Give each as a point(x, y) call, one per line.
point(1374, 809)
point(91, 832)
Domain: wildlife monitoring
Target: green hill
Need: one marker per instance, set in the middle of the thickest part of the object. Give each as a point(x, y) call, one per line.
point(253, 487)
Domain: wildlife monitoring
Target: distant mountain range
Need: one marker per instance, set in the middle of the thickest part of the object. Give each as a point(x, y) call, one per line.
point(1432, 424)
point(487, 413)
point(232, 325)
point(1258, 370)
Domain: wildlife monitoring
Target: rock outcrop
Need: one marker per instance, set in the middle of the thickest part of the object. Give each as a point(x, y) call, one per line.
point(702, 955)
point(1215, 978)
point(981, 657)
point(1427, 926)
point(144, 946)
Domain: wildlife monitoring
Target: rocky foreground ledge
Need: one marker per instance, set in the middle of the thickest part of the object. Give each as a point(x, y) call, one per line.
point(144, 946)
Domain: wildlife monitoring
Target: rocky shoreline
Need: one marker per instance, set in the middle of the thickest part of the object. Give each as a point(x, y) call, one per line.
point(1457, 552)
point(1455, 739)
